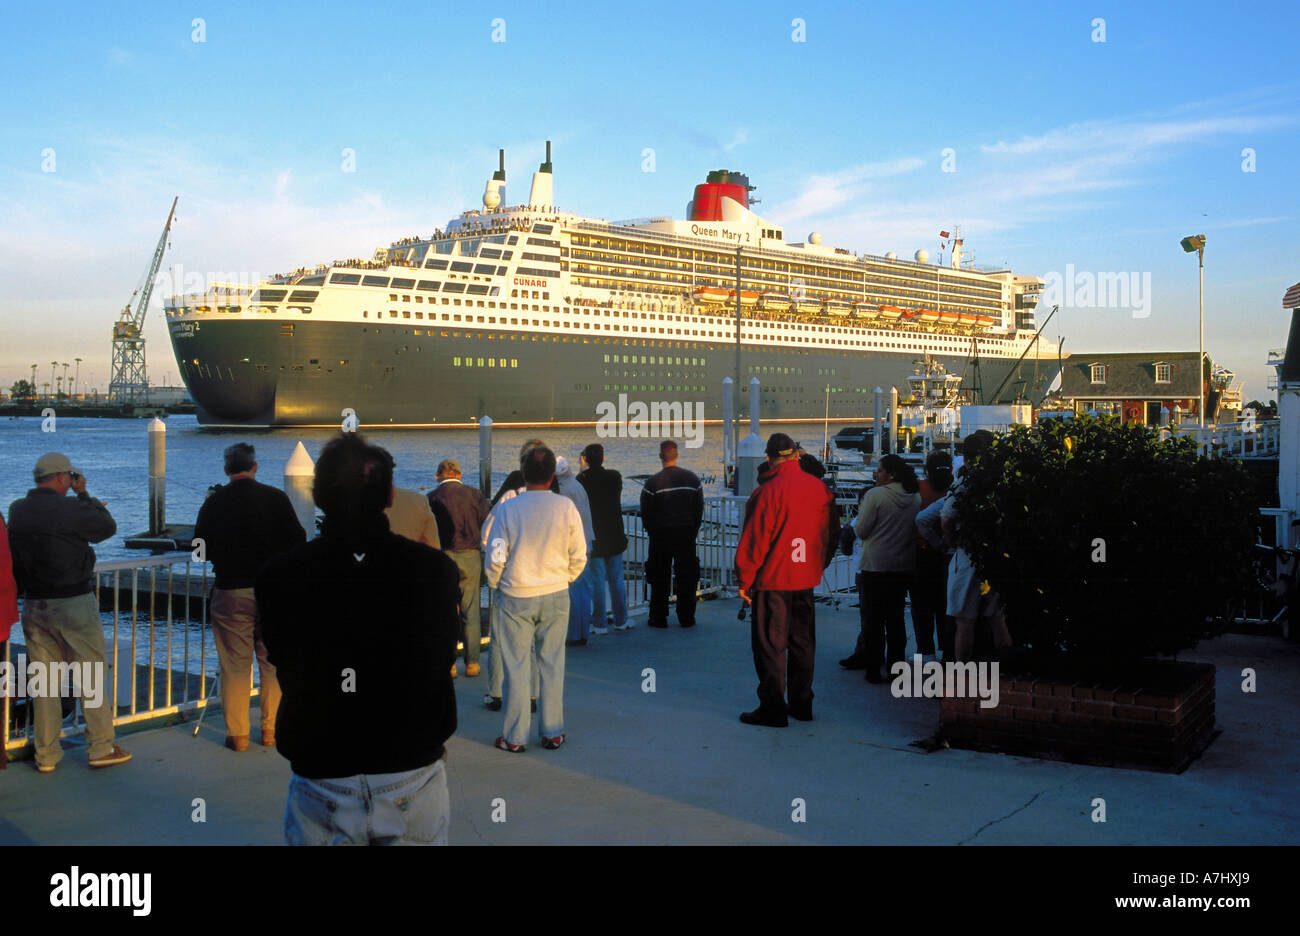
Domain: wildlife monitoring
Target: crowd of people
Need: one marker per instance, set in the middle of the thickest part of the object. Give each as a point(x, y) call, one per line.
point(355, 631)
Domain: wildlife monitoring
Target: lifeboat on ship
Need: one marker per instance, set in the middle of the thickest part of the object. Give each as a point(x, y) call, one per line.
point(865, 310)
point(710, 294)
point(775, 302)
point(967, 318)
point(809, 304)
point(949, 318)
point(837, 307)
point(747, 298)
point(929, 315)
point(891, 313)
point(985, 321)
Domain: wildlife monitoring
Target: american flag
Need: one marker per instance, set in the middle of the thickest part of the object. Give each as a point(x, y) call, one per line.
point(1292, 298)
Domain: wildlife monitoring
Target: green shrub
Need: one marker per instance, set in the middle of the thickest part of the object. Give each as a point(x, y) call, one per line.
point(1177, 532)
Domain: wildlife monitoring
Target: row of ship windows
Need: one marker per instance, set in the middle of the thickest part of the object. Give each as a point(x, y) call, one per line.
point(955, 343)
point(517, 336)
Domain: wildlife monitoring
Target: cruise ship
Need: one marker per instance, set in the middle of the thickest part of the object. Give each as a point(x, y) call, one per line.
point(536, 316)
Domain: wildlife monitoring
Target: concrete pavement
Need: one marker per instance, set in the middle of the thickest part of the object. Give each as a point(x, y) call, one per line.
point(675, 766)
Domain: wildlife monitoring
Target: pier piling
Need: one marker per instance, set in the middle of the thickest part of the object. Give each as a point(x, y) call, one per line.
point(728, 420)
point(157, 476)
point(751, 449)
point(298, 473)
point(485, 456)
point(877, 418)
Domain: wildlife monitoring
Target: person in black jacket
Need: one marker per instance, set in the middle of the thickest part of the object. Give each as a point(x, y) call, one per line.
point(604, 489)
point(242, 525)
point(50, 536)
point(361, 626)
point(672, 509)
point(460, 511)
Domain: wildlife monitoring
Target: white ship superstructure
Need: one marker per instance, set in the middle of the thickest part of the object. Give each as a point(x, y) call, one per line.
point(535, 315)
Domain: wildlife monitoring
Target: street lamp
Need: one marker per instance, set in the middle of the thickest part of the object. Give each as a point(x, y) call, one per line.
point(1197, 243)
point(77, 379)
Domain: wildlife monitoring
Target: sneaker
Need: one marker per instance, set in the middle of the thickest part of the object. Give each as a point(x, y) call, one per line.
point(472, 669)
point(492, 702)
point(552, 743)
point(43, 768)
point(118, 756)
point(505, 745)
point(237, 743)
point(627, 626)
point(600, 631)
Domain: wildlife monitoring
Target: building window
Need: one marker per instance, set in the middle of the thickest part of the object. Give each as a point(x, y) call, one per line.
point(1098, 373)
point(1163, 373)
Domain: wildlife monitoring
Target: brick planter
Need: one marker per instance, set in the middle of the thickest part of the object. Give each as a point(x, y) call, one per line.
point(1159, 716)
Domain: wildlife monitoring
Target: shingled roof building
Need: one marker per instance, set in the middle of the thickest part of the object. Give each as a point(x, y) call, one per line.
point(1134, 386)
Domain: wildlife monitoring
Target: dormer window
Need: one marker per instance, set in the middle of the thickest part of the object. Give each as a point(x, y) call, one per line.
point(1098, 373)
point(1164, 373)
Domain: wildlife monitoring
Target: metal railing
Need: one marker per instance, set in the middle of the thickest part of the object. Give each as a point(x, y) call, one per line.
point(160, 656)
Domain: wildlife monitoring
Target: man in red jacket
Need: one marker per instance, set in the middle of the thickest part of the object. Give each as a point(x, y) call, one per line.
point(789, 539)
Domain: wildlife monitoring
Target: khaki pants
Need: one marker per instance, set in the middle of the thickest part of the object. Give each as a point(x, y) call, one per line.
point(238, 635)
point(67, 630)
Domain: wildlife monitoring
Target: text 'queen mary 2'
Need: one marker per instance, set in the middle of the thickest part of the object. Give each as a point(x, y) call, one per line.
point(532, 315)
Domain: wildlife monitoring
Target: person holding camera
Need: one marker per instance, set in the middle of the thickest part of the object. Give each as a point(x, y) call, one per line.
point(50, 536)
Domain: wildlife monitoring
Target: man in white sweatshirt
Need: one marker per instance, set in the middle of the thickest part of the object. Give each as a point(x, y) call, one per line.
point(535, 546)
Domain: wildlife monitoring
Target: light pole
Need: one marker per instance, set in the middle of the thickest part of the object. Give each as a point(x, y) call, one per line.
point(65, 376)
point(76, 382)
point(33, 383)
point(1197, 243)
point(53, 364)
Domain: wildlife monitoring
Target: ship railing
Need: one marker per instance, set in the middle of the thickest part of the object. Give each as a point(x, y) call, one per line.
point(160, 656)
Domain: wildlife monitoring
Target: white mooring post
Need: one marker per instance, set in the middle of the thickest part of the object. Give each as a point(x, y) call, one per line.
point(877, 418)
point(157, 430)
point(751, 449)
point(728, 429)
point(485, 456)
point(893, 419)
point(298, 473)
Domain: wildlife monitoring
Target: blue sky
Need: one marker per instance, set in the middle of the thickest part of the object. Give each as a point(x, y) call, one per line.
point(1066, 150)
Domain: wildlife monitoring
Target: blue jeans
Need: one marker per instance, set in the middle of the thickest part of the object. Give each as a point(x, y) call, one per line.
point(602, 570)
point(496, 671)
point(532, 633)
point(408, 808)
point(580, 607)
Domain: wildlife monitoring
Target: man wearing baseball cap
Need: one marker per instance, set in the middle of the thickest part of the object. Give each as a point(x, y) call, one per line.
point(790, 537)
point(50, 536)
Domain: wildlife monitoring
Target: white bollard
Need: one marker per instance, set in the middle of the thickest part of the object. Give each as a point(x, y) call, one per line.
point(877, 418)
point(751, 449)
point(157, 476)
point(299, 471)
point(485, 456)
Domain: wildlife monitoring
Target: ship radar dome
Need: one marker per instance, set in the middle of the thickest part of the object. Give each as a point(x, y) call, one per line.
point(814, 238)
point(922, 256)
point(890, 255)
